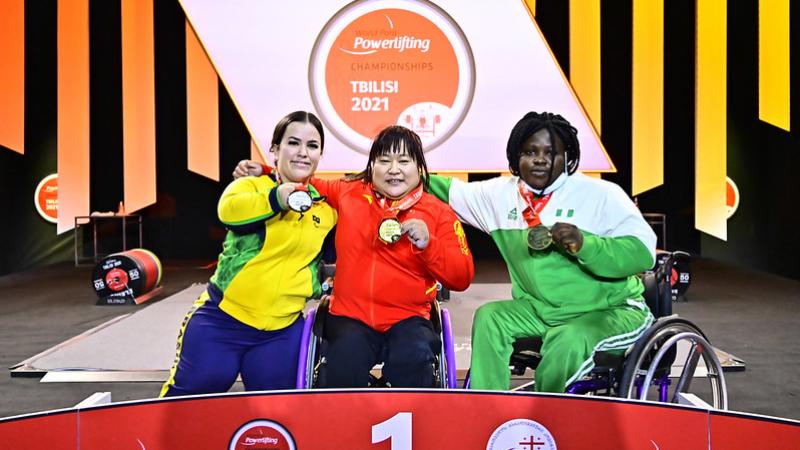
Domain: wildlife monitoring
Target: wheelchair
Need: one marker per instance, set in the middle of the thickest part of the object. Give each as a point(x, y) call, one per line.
point(311, 357)
point(644, 371)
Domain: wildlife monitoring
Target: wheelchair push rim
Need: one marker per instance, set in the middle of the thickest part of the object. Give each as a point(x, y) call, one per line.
point(306, 352)
point(637, 378)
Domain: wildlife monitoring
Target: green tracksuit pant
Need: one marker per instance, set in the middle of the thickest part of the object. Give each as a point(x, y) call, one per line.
point(567, 348)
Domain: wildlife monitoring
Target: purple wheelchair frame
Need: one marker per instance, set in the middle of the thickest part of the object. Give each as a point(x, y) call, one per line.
point(596, 384)
point(305, 341)
point(447, 363)
point(582, 387)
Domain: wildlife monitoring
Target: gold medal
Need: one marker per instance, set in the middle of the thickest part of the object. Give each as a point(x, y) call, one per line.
point(389, 230)
point(539, 238)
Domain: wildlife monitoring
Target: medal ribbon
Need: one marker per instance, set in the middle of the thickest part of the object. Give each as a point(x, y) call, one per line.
point(409, 200)
point(391, 211)
point(535, 206)
point(266, 170)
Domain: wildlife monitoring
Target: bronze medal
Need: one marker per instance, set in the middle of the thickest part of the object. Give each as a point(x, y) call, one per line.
point(389, 230)
point(539, 238)
point(299, 201)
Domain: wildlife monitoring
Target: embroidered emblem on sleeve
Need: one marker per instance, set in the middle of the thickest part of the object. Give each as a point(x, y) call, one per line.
point(462, 237)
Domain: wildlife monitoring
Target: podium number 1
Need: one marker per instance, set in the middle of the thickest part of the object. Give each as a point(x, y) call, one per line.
point(398, 429)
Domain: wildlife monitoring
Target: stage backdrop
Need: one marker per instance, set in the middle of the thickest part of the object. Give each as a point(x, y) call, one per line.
point(458, 73)
point(762, 159)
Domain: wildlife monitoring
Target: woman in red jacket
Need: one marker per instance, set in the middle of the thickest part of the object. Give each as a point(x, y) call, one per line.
point(385, 282)
point(393, 242)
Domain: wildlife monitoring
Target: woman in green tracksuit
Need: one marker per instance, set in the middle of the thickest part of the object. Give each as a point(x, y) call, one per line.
point(575, 284)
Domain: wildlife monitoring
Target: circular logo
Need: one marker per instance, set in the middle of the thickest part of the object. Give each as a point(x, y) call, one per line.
point(262, 435)
point(117, 279)
point(391, 62)
point(521, 434)
point(731, 196)
point(45, 197)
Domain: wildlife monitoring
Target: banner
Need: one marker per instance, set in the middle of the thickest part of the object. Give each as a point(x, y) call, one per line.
point(460, 74)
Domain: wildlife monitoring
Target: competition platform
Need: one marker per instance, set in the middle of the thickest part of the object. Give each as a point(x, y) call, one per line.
point(141, 346)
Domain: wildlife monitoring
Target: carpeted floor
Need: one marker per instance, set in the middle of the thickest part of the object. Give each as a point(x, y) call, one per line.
point(755, 316)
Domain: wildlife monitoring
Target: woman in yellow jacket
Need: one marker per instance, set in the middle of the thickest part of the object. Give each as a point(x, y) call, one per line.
point(249, 320)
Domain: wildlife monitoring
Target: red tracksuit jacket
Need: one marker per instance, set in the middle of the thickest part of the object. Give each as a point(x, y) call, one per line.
point(381, 284)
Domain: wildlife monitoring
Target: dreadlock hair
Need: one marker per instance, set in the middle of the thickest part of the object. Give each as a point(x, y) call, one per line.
point(396, 139)
point(297, 116)
point(556, 126)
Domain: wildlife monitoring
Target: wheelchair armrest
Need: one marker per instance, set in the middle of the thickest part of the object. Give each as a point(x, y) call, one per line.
point(652, 295)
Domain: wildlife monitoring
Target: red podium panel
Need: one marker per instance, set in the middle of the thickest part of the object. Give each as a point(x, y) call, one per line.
point(394, 419)
point(430, 419)
point(52, 431)
point(733, 432)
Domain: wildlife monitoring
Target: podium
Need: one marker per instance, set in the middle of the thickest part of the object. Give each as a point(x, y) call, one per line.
point(400, 419)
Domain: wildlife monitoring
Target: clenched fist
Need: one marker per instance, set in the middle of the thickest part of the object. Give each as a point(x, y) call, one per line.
point(247, 168)
point(417, 232)
point(568, 236)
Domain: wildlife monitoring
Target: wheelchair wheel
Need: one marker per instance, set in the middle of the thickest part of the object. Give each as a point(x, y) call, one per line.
point(308, 354)
point(646, 375)
point(448, 358)
point(445, 360)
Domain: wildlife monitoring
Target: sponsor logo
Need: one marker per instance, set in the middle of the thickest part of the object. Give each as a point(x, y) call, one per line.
point(391, 62)
point(364, 46)
point(521, 434)
point(262, 434)
point(512, 215)
point(45, 198)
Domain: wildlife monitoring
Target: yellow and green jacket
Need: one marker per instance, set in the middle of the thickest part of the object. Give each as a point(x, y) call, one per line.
point(268, 265)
